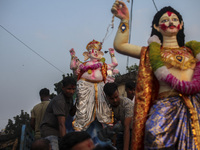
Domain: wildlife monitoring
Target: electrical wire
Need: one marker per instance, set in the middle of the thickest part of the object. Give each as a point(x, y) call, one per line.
point(32, 49)
point(107, 31)
point(130, 26)
point(155, 5)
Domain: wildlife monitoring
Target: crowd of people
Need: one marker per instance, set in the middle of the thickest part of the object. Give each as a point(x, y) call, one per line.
point(48, 118)
point(161, 112)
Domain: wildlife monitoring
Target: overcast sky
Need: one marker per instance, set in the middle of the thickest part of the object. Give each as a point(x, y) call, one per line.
point(51, 28)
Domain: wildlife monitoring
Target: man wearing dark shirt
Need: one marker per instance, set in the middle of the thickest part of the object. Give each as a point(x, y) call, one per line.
point(53, 124)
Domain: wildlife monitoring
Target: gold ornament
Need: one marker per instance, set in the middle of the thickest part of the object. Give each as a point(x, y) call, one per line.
point(89, 71)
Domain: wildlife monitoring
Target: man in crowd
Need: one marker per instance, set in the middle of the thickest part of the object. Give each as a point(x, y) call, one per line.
point(38, 111)
point(130, 90)
point(53, 124)
point(123, 112)
point(80, 140)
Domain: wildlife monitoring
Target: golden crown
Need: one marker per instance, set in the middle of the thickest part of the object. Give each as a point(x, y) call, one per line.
point(94, 45)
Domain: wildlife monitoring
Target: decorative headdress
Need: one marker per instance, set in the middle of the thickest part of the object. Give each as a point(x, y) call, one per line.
point(94, 45)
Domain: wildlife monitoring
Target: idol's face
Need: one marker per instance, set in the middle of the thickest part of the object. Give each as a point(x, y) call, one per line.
point(169, 24)
point(95, 54)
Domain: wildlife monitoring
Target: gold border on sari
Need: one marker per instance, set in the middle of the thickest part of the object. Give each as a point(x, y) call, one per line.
point(145, 95)
point(195, 120)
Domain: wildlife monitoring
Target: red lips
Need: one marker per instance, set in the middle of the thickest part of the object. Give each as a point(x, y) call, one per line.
point(172, 27)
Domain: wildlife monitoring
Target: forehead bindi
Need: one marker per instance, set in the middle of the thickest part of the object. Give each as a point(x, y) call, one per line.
point(169, 13)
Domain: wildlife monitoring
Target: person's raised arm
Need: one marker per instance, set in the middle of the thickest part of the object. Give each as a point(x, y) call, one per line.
point(121, 44)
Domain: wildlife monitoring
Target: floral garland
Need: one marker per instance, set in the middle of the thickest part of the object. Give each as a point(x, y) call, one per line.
point(92, 67)
point(163, 74)
point(84, 68)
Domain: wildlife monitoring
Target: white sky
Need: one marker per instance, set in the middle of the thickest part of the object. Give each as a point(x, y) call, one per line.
point(51, 28)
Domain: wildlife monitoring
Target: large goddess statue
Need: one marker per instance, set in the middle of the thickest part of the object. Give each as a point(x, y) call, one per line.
point(167, 106)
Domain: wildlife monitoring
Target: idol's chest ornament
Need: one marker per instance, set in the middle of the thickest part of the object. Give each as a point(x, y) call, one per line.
point(180, 58)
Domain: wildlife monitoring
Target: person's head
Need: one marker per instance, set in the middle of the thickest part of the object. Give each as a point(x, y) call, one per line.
point(76, 141)
point(105, 147)
point(112, 94)
point(44, 94)
point(39, 144)
point(68, 86)
point(130, 89)
point(166, 18)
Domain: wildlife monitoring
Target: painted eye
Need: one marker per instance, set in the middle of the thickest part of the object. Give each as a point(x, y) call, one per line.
point(175, 19)
point(164, 21)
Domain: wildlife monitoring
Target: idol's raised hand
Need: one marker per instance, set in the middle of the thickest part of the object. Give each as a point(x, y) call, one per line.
point(72, 52)
point(120, 10)
point(111, 51)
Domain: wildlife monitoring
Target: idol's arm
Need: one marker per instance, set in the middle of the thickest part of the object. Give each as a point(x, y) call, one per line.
point(121, 44)
point(113, 59)
point(75, 62)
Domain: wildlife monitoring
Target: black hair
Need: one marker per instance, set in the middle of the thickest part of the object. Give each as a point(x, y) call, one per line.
point(110, 88)
point(73, 138)
point(130, 84)
point(39, 144)
point(105, 147)
point(44, 92)
point(158, 15)
point(68, 81)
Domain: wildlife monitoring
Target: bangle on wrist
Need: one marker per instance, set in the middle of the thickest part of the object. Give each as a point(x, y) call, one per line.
point(125, 21)
point(112, 55)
